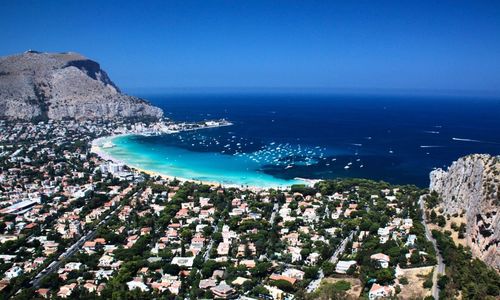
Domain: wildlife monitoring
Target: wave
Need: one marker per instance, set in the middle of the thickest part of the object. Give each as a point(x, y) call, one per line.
point(466, 140)
point(475, 141)
point(430, 146)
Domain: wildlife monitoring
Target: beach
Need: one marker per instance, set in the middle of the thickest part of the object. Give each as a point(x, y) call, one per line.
point(110, 154)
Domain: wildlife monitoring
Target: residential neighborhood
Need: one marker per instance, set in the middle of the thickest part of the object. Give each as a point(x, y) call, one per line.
point(76, 226)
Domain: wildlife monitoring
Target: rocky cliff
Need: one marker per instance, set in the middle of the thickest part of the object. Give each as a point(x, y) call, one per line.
point(38, 86)
point(472, 185)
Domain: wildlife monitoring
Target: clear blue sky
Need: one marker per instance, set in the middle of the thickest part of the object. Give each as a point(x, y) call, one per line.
point(422, 45)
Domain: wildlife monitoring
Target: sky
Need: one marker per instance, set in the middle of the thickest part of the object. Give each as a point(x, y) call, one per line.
point(388, 45)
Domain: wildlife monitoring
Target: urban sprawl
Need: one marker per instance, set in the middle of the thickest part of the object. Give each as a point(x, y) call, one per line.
point(73, 225)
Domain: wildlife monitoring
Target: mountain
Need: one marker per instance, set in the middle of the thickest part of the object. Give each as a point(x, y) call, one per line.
point(472, 185)
point(41, 86)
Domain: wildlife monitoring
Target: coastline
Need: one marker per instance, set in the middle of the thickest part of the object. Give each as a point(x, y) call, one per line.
point(96, 147)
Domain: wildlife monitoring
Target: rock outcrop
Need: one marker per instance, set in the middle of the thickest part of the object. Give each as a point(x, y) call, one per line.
point(472, 185)
point(40, 86)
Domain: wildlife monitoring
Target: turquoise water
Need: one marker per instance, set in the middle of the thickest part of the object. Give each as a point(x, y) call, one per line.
point(198, 166)
point(278, 138)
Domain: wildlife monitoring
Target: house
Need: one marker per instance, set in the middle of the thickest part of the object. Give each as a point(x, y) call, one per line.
point(295, 252)
point(89, 286)
point(249, 263)
point(218, 274)
point(382, 259)
point(13, 272)
point(313, 258)
point(89, 247)
point(275, 292)
point(344, 265)
point(383, 234)
point(183, 261)
point(223, 291)
point(223, 248)
point(175, 287)
point(410, 241)
point(207, 283)
point(240, 281)
point(294, 273)
point(43, 292)
point(378, 291)
point(283, 277)
point(72, 266)
point(137, 284)
point(407, 223)
point(106, 261)
point(66, 290)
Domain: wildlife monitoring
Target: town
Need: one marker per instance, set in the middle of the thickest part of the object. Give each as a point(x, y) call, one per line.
point(73, 225)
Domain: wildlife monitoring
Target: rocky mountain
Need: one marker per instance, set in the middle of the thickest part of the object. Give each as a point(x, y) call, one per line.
point(40, 86)
point(472, 185)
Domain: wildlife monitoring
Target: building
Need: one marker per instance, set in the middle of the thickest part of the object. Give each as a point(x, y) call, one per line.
point(344, 265)
point(382, 259)
point(13, 272)
point(379, 291)
point(19, 208)
point(223, 291)
point(183, 261)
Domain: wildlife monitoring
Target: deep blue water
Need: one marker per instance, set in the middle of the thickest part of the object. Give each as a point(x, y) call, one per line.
point(395, 138)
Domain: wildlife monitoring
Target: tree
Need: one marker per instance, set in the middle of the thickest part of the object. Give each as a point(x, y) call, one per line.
point(328, 268)
point(342, 285)
point(415, 258)
point(283, 285)
point(433, 216)
point(261, 269)
point(441, 221)
point(442, 282)
point(311, 272)
point(384, 276)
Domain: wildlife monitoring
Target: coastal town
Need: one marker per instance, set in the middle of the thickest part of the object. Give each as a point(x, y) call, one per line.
point(74, 225)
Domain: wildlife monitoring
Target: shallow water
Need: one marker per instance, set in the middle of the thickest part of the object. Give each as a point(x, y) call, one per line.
point(277, 138)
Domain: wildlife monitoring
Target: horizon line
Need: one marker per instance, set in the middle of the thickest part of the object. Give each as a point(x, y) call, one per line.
point(317, 90)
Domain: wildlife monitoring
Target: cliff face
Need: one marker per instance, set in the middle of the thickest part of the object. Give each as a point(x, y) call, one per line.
point(59, 86)
point(472, 185)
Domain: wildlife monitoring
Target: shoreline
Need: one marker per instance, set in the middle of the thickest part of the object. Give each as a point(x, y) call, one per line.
point(97, 149)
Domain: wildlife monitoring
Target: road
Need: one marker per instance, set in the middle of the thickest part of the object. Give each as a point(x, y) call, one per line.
point(335, 257)
point(440, 267)
point(273, 215)
point(206, 256)
point(70, 251)
point(341, 248)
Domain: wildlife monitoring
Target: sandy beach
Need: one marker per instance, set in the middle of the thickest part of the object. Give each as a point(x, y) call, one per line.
point(97, 149)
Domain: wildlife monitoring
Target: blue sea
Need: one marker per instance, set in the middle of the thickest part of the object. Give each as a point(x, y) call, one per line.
point(278, 138)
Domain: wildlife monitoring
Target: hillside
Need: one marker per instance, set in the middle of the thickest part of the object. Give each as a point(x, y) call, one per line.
point(41, 86)
point(470, 188)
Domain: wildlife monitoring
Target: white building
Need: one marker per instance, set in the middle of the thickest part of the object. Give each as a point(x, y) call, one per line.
point(344, 265)
point(382, 259)
point(13, 272)
point(135, 284)
point(379, 291)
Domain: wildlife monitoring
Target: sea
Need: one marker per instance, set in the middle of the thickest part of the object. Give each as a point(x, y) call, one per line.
point(279, 139)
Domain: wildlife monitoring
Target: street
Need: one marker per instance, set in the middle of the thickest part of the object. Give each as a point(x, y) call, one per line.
point(70, 251)
point(340, 249)
point(440, 267)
